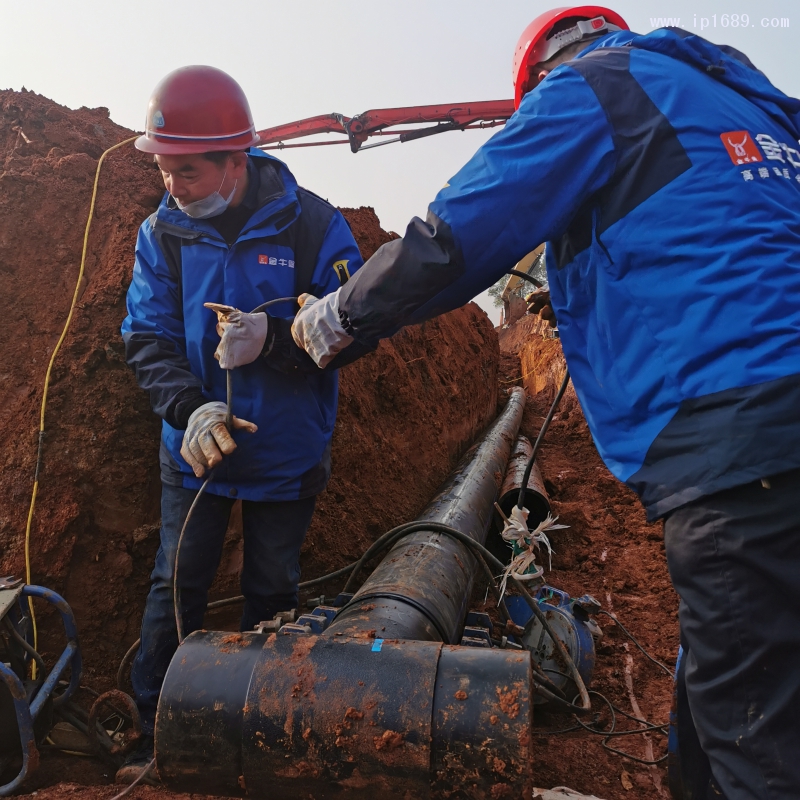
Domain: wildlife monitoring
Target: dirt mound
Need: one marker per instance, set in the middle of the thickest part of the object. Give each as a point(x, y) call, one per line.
point(96, 527)
point(364, 224)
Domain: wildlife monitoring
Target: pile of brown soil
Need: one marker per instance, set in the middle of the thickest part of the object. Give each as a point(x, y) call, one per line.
point(95, 532)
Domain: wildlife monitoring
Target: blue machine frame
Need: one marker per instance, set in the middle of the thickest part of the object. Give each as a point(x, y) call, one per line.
point(27, 708)
point(573, 617)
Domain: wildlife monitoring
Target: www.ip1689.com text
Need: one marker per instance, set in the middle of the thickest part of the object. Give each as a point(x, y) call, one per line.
point(720, 21)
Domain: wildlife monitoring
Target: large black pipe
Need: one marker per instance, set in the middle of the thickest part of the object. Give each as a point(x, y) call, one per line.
point(536, 500)
point(381, 700)
point(422, 588)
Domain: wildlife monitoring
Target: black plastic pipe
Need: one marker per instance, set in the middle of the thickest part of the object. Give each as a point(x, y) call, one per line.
point(422, 588)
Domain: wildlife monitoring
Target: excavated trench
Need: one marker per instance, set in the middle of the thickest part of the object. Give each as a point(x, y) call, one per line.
point(407, 412)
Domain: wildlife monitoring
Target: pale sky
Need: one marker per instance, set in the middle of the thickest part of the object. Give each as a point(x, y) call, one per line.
point(299, 58)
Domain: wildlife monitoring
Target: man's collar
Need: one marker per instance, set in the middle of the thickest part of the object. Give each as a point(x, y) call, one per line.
point(250, 199)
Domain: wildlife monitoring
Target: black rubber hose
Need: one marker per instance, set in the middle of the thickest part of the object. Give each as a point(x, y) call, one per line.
point(537, 283)
point(269, 303)
point(527, 476)
point(384, 541)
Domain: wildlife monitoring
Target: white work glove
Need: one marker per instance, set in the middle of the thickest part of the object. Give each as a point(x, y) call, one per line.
point(207, 439)
point(242, 335)
point(317, 329)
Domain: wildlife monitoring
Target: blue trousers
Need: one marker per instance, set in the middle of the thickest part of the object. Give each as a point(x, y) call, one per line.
point(734, 559)
point(273, 535)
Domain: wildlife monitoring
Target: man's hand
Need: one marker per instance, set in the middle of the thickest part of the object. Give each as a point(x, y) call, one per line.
point(539, 303)
point(317, 329)
point(242, 336)
point(207, 439)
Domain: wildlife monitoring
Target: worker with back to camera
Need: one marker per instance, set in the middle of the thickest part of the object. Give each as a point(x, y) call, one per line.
point(663, 171)
point(234, 229)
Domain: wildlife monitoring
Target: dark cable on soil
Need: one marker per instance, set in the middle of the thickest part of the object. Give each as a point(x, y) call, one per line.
point(545, 425)
point(647, 655)
point(611, 731)
point(142, 775)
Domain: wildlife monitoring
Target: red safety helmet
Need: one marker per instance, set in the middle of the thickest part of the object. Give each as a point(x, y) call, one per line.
point(538, 44)
point(197, 110)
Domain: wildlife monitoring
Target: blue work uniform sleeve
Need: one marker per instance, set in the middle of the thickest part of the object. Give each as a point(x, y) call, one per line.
point(153, 332)
point(337, 262)
point(523, 187)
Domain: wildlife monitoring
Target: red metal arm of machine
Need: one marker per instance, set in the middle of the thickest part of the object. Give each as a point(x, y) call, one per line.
point(385, 122)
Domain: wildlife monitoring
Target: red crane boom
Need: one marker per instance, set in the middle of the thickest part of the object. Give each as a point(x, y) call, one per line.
point(385, 122)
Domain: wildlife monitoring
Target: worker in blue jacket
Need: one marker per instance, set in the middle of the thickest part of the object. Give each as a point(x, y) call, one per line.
point(664, 174)
point(234, 230)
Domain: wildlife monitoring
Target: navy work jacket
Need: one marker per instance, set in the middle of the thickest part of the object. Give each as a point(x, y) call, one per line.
point(664, 173)
point(294, 242)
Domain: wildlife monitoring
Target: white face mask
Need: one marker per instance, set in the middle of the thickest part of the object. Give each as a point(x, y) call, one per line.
point(210, 206)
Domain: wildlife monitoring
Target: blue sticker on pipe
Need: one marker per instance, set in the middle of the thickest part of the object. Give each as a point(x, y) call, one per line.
point(376, 645)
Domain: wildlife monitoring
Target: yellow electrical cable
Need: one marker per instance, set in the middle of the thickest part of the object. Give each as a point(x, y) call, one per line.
point(60, 341)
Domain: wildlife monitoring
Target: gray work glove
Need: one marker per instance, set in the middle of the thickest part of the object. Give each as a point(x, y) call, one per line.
point(539, 303)
point(243, 337)
point(207, 439)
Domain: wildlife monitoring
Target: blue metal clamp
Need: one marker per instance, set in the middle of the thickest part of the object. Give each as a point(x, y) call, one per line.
point(27, 712)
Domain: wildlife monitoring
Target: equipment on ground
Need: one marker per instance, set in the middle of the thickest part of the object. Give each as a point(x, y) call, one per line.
point(26, 705)
point(572, 622)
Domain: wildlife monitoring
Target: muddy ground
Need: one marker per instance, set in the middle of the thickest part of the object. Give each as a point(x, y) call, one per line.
point(407, 413)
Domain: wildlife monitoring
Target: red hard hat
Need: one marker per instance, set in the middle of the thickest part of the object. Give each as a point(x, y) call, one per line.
point(536, 45)
point(197, 110)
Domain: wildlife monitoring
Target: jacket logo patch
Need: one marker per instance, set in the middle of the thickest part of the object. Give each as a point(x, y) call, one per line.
point(741, 147)
point(341, 270)
point(274, 261)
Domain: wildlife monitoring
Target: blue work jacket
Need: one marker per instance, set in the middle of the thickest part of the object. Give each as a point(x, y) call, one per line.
point(664, 173)
point(294, 242)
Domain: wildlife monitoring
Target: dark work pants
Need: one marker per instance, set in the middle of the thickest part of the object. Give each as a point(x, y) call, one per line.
point(734, 559)
point(273, 535)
